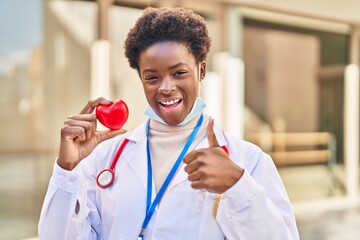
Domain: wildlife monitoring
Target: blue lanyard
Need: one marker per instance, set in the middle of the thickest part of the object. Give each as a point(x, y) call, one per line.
point(150, 207)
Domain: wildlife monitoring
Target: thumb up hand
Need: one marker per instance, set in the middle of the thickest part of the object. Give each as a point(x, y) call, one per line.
point(210, 168)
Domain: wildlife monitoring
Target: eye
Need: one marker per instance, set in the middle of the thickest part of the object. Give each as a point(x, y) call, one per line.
point(180, 72)
point(150, 78)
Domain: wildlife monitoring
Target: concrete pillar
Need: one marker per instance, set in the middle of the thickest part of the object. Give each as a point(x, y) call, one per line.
point(233, 79)
point(100, 69)
point(103, 18)
point(100, 53)
point(351, 117)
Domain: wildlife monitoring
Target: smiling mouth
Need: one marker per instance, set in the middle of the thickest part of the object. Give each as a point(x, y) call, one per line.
point(170, 102)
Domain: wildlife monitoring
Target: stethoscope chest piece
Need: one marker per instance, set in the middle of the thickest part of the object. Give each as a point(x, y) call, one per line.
point(105, 178)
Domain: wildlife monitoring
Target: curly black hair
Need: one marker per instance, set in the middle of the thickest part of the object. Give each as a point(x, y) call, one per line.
point(167, 24)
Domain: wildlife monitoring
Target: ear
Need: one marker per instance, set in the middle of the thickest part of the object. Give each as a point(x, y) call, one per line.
point(202, 70)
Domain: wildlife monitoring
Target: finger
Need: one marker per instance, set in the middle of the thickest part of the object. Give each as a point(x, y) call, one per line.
point(75, 133)
point(197, 184)
point(82, 135)
point(92, 104)
point(84, 117)
point(88, 126)
point(193, 166)
point(104, 135)
point(211, 135)
point(87, 117)
point(191, 156)
point(196, 176)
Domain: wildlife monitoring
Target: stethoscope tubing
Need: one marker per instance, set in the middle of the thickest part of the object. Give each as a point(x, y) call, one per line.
point(118, 153)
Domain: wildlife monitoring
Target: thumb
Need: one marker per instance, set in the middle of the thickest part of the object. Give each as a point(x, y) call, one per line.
point(211, 135)
point(105, 135)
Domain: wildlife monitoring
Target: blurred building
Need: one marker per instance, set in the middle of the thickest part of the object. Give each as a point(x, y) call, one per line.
point(278, 75)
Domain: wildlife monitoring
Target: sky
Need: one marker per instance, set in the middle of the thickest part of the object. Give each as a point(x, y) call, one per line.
point(20, 25)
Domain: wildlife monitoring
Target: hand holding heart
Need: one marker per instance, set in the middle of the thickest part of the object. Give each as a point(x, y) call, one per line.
point(210, 168)
point(79, 136)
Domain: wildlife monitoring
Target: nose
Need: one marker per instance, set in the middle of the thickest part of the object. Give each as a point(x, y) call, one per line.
point(167, 86)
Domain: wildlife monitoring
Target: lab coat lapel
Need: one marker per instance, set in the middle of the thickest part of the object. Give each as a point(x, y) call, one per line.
point(181, 175)
point(135, 155)
point(136, 158)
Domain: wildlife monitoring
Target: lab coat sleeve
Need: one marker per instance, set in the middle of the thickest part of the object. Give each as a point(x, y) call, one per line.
point(257, 206)
point(68, 212)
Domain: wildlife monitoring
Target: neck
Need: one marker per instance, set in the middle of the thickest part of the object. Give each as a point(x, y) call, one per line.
point(155, 125)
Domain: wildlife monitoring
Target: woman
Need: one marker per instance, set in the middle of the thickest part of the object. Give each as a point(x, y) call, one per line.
point(178, 176)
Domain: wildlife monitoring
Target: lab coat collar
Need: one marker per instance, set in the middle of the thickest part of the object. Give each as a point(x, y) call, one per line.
point(139, 133)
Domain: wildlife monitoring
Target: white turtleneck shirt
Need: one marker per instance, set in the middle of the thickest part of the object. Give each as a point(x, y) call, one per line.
point(166, 143)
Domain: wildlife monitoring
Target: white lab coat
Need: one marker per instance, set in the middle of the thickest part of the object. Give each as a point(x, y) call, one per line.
point(256, 207)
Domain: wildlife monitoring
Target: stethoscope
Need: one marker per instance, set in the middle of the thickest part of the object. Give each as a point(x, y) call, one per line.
point(106, 177)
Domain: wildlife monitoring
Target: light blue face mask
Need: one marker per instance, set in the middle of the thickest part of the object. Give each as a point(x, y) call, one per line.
point(199, 105)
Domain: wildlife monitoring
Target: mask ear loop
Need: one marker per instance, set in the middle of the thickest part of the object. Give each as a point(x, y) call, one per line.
point(199, 85)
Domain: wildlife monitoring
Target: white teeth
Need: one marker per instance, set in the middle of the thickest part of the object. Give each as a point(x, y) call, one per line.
point(171, 102)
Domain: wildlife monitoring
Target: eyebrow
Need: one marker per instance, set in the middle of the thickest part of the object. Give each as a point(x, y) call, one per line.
point(172, 67)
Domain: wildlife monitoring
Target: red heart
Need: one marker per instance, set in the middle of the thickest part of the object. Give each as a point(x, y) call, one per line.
point(114, 115)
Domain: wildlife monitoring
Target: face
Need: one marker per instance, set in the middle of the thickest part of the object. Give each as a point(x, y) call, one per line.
point(170, 77)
